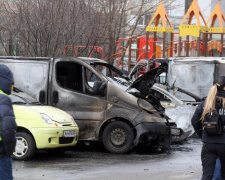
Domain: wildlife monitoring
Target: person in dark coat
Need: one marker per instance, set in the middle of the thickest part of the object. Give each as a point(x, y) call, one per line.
point(7, 124)
point(213, 145)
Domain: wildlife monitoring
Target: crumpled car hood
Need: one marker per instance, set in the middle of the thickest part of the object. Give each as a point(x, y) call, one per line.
point(147, 80)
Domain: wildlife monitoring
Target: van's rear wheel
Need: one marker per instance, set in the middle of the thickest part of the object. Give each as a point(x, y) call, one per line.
point(118, 137)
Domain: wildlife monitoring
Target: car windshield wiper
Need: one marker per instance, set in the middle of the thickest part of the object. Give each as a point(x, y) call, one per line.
point(38, 103)
point(17, 90)
point(19, 102)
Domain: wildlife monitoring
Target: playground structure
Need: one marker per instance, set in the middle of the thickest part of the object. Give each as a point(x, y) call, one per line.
point(139, 52)
point(192, 40)
point(90, 51)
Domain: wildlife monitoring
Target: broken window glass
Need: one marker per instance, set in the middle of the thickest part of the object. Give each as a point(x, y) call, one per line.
point(69, 76)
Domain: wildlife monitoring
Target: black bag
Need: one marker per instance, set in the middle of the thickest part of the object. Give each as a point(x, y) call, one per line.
point(212, 123)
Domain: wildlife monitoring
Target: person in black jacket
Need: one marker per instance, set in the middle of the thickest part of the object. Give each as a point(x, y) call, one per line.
point(213, 145)
point(7, 124)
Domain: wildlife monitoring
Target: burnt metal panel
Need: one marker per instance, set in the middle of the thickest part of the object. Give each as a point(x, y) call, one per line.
point(30, 74)
point(121, 104)
point(193, 76)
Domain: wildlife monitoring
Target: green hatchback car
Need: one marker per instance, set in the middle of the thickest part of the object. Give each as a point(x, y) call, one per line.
point(40, 126)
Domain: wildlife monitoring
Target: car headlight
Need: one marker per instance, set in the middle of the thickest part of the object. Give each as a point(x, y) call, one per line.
point(46, 119)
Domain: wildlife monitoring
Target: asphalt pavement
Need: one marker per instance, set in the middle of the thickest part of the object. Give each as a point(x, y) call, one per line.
point(95, 163)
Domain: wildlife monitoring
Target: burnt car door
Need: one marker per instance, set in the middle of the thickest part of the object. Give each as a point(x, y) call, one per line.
point(72, 90)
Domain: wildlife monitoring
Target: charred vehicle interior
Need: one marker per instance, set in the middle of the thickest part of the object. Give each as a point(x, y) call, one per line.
point(70, 76)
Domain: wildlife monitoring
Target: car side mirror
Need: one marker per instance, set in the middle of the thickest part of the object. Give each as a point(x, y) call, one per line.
point(99, 88)
point(42, 97)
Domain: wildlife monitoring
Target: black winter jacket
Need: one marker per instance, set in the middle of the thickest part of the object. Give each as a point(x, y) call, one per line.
point(7, 120)
point(197, 123)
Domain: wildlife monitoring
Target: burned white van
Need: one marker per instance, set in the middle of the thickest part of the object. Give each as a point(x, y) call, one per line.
point(194, 74)
point(102, 111)
point(188, 79)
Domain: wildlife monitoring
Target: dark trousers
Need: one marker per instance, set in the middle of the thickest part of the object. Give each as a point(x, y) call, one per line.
point(209, 154)
point(6, 168)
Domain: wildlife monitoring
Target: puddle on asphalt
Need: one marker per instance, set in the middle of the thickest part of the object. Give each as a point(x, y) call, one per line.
point(183, 149)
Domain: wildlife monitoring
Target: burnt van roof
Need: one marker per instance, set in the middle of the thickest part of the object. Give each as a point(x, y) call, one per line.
point(191, 59)
point(91, 60)
point(24, 58)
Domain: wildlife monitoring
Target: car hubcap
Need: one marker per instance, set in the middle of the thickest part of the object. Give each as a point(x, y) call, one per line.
point(21, 147)
point(118, 137)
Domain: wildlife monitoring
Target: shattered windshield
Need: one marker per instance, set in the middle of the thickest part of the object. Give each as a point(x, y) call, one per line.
point(196, 77)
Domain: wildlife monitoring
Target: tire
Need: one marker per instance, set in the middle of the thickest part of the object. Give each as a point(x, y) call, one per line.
point(25, 146)
point(118, 137)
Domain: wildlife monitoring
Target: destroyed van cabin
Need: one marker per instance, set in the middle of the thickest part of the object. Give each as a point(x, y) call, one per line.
point(180, 111)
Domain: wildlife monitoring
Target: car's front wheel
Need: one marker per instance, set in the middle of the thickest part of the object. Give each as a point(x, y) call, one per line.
point(25, 146)
point(118, 137)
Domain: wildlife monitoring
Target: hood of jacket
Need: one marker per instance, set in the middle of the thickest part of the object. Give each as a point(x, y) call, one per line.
point(6, 79)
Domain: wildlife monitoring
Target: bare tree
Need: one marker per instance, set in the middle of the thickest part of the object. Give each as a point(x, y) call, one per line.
point(44, 27)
